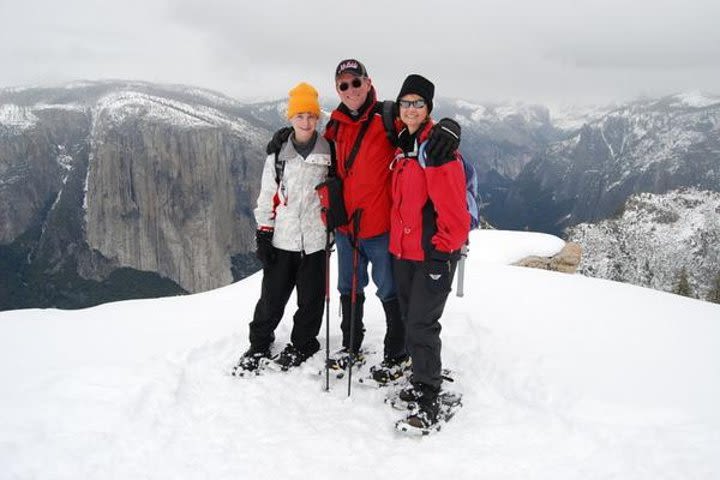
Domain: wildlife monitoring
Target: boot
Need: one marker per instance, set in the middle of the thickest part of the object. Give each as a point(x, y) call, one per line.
point(391, 370)
point(291, 357)
point(345, 302)
point(428, 407)
point(251, 361)
point(394, 345)
point(340, 360)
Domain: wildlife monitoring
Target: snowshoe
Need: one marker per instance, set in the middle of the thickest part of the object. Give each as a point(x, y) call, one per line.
point(388, 372)
point(290, 357)
point(407, 398)
point(420, 424)
point(433, 410)
point(340, 360)
point(252, 363)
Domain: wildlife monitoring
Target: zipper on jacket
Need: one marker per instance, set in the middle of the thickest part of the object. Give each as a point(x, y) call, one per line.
point(401, 170)
point(301, 204)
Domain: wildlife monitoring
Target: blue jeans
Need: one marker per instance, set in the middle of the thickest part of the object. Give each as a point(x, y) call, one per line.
point(373, 250)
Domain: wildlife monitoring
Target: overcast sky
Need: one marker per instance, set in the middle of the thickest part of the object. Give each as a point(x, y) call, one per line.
point(547, 51)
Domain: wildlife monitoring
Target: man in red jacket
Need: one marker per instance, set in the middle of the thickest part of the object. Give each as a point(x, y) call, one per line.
point(364, 152)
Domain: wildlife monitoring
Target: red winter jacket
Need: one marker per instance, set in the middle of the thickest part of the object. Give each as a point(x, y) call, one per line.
point(429, 215)
point(366, 185)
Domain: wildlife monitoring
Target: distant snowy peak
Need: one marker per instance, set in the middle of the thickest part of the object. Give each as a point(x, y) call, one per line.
point(183, 104)
point(119, 106)
point(490, 113)
point(20, 117)
point(116, 100)
point(191, 93)
point(571, 117)
point(696, 99)
point(648, 132)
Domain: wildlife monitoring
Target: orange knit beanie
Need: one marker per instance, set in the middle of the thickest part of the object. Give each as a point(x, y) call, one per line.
point(303, 98)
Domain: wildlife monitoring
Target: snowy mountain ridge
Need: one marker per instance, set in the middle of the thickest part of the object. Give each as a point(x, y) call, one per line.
point(191, 106)
point(697, 99)
point(100, 179)
point(653, 239)
point(141, 152)
point(653, 145)
point(497, 112)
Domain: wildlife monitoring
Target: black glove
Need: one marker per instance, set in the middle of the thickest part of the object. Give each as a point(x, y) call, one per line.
point(279, 137)
point(443, 140)
point(265, 252)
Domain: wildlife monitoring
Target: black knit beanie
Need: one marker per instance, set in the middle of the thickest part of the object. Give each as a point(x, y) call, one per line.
point(418, 85)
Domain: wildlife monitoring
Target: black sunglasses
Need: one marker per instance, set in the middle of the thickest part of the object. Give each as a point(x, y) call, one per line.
point(356, 83)
point(412, 103)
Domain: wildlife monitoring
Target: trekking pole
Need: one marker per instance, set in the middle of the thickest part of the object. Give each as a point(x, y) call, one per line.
point(327, 310)
point(461, 272)
point(353, 294)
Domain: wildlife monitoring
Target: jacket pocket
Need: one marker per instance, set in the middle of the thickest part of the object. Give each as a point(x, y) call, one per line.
point(437, 276)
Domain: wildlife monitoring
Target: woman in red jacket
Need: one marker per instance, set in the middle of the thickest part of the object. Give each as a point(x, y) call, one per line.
point(429, 224)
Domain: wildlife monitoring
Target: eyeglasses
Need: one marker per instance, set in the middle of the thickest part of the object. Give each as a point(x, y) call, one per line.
point(420, 103)
point(356, 83)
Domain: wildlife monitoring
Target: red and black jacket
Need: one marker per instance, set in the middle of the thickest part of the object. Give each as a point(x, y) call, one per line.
point(366, 184)
point(429, 216)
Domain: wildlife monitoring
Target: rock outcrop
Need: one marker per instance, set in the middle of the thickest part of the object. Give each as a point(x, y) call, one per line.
point(170, 200)
point(566, 260)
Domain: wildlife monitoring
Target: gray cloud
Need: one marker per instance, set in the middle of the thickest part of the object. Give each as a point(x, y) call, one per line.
point(553, 51)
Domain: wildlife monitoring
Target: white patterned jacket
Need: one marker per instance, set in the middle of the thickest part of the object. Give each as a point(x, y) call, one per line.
point(296, 219)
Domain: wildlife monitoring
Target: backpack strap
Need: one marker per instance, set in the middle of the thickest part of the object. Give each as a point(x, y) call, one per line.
point(332, 169)
point(279, 168)
point(331, 129)
point(421, 155)
point(387, 111)
point(358, 140)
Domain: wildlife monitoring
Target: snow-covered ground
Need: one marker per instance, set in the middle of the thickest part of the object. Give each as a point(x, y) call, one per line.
point(563, 376)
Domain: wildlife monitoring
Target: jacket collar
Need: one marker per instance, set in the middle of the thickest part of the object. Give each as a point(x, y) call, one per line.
point(320, 152)
point(405, 138)
point(344, 114)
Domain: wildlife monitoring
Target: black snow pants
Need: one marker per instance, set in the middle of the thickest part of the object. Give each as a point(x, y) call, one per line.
point(291, 270)
point(422, 298)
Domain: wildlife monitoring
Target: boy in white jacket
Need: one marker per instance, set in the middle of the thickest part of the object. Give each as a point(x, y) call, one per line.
point(291, 240)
